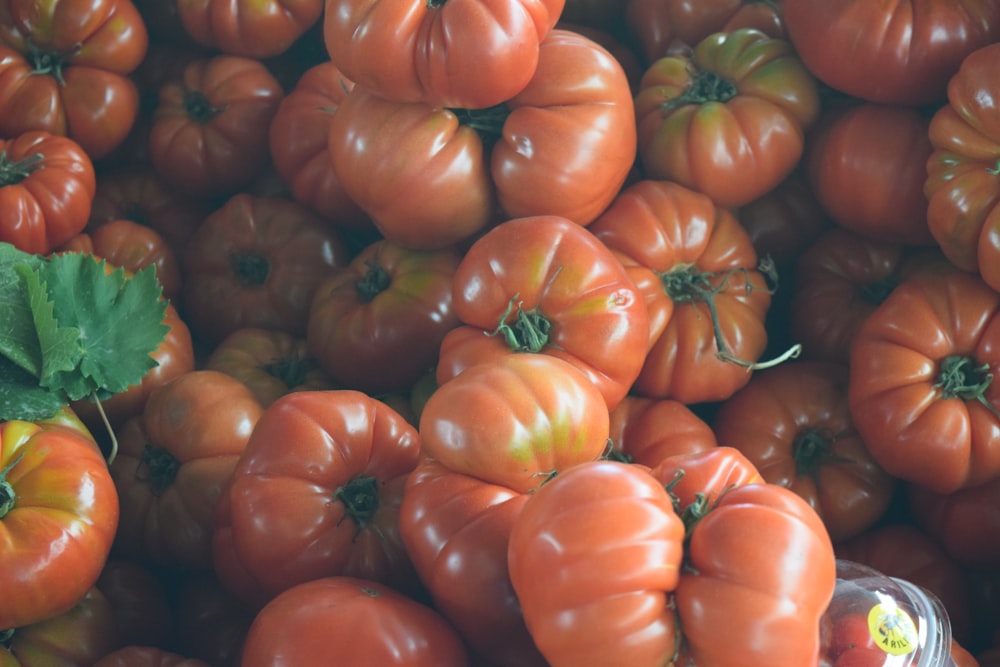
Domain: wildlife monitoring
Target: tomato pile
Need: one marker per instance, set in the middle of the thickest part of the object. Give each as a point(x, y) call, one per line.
point(500, 333)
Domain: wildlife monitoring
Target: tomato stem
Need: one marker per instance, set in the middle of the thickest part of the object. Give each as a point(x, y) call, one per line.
point(157, 467)
point(488, 122)
point(7, 637)
point(251, 269)
point(876, 291)
point(529, 332)
point(360, 499)
point(50, 63)
point(197, 106)
point(705, 87)
point(994, 170)
point(375, 281)
point(290, 370)
point(811, 450)
point(959, 377)
point(7, 494)
point(15, 171)
point(685, 284)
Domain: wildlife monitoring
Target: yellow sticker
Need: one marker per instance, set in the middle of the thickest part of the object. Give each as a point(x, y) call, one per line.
point(892, 629)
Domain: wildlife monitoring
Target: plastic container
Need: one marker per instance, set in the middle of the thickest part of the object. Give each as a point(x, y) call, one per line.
point(907, 623)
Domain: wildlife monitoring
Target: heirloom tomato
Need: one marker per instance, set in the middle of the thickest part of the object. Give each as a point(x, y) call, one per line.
point(76, 637)
point(174, 461)
point(921, 386)
point(376, 324)
point(966, 522)
point(271, 363)
point(905, 551)
point(899, 52)
point(794, 423)
point(456, 529)
point(665, 27)
point(729, 118)
point(867, 164)
point(647, 430)
point(707, 279)
point(47, 187)
point(563, 146)
point(316, 493)
point(256, 262)
point(147, 656)
point(544, 284)
point(210, 127)
point(64, 67)
point(358, 622)
point(58, 517)
point(515, 420)
point(248, 28)
point(470, 54)
point(760, 564)
point(695, 480)
point(139, 603)
point(594, 556)
point(963, 182)
point(299, 145)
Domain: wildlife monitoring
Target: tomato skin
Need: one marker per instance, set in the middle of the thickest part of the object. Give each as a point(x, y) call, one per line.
point(78, 636)
point(361, 622)
point(903, 391)
point(763, 567)
point(139, 603)
point(60, 514)
point(271, 363)
point(44, 201)
point(174, 461)
point(699, 478)
point(298, 142)
point(901, 52)
point(256, 261)
point(515, 420)
point(867, 165)
point(647, 430)
point(456, 529)
point(146, 656)
point(209, 129)
point(698, 251)
point(249, 29)
point(622, 616)
point(467, 55)
point(738, 142)
point(88, 95)
point(964, 522)
point(211, 623)
point(548, 274)
point(962, 183)
point(794, 423)
point(316, 493)
point(376, 324)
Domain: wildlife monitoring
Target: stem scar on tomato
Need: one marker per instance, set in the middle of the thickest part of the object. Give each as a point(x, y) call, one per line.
point(811, 450)
point(51, 62)
point(15, 171)
point(197, 106)
point(360, 499)
point(8, 497)
point(375, 281)
point(705, 87)
point(251, 270)
point(529, 332)
point(157, 467)
point(960, 377)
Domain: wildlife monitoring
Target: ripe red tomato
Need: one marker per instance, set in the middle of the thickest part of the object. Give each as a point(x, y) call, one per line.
point(515, 420)
point(593, 558)
point(376, 324)
point(209, 133)
point(965, 522)
point(472, 54)
point(250, 29)
point(256, 262)
point(174, 461)
point(456, 529)
point(794, 423)
point(696, 480)
point(900, 52)
point(921, 391)
point(544, 284)
point(316, 493)
point(58, 515)
point(47, 186)
point(867, 166)
point(647, 430)
point(78, 636)
point(360, 622)
point(728, 119)
point(64, 69)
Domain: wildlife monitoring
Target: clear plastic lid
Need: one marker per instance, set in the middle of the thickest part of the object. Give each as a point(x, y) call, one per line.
point(886, 616)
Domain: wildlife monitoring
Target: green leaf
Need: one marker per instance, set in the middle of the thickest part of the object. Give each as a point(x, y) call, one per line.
point(21, 397)
point(120, 323)
point(18, 338)
point(60, 346)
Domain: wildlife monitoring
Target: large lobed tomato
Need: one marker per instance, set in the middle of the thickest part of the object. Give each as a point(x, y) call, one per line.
point(64, 67)
point(471, 54)
point(728, 118)
point(47, 187)
point(563, 145)
point(58, 517)
point(249, 28)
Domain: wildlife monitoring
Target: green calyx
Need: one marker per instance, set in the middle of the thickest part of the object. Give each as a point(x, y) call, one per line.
point(528, 332)
point(360, 499)
point(15, 171)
